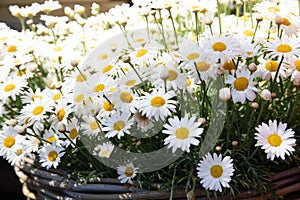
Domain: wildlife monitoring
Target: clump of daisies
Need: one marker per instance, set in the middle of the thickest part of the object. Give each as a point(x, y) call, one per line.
point(175, 93)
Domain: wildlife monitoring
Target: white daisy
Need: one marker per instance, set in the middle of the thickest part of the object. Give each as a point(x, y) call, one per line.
point(72, 133)
point(127, 172)
point(124, 100)
point(117, 124)
point(242, 86)
point(35, 111)
point(275, 139)
point(268, 68)
point(12, 87)
point(62, 111)
point(105, 149)
point(182, 133)
point(215, 172)
point(283, 47)
point(50, 155)
point(90, 126)
point(293, 67)
point(221, 48)
point(157, 104)
point(10, 140)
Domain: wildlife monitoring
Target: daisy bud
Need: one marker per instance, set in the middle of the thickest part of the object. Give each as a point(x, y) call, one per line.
point(259, 18)
point(58, 85)
point(254, 105)
point(164, 75)
point(126, 59)
point(273, 95)
point(239, 3)
point(121, 145)
point(95, 9)
point(20, 129)
point(202, 120)
point(252, 67)
point(62, 127)
point(12, 122)
point(266, 94)
point(234, 143)
point(270, 108)
point(78, 9)
point(97, 148)
point(296, 81)
point(224, 94)
point(208, 22)
point(218, 148)
point(191, 195)
point(138, 143)
point(74, 63)
point(278, 20)
point(69, 12)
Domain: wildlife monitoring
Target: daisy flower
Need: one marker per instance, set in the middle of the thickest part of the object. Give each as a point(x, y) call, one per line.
point(35, 111)
point(220, 48)
point(98, 84)
point(283, 47)
point(268, 68)
point(105, 149)
point(9, 140)
point(157, 104)
point(71, 132)
point(12, 87)
point(90, 126)
point(275, 139)
point(117, 124)
point(62, 111)
point(242, 86)
point(293, 67)
point(182, 133)
point(127, 172)
point(50, 155)
point(215, 172)
point(124, 100)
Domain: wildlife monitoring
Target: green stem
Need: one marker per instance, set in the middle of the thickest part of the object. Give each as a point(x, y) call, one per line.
point(255, 30)
point(22, 21)
point(219, 16)
point(277, 72)
point(197, 27)
point(173, 183)
point(174, 28)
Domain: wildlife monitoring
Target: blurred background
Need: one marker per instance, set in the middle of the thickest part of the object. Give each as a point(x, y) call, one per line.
point(10, 186)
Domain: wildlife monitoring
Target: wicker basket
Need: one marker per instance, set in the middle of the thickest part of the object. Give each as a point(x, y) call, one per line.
point(39, 183)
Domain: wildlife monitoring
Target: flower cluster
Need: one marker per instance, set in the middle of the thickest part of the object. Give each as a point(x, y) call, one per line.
point(193, 90)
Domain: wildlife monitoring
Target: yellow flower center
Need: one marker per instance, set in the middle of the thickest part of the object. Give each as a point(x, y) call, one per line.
point(241, 83)
point(158, 101)
point(129, 171)
point(271, 66)
point(141, 52)
point(193, 56)
point(248, 32)
point(202, 66)
point(99, 87)
point(73, 133)
point(216, 171)
point(108, 106)
point(56, 97)
point(103, 56)
point(80, 78)
point(182, 133)
point(284, 48)
point(126, 97)
point(34, 97)
point(188, 82)
point(297, 65)
point(9, 87)
point(9, 141)
point(219, 46)
point(93, 125)
point(21, 72)
point(107, 68)
point(61, 114)
point(172, 75)
point(130, 82)
point(79, 98)
point(228, 65)
point(57, 49)
point(12, 48)
point(52, 155)
point(119, 125)
point(51, 139)
point(274, 140)
point(19, 151)
point(273, 9)
point(38, 110)
point(286, 21)
point(105, 153)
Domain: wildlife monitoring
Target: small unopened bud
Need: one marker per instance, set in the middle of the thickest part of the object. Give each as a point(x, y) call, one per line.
point(138, 143)
point(259, 18)
point(234, 143)
point(202, 120)
point(20, 129)
point(252, 67)
point(97, 148)
point(126, 59)
point(62, 127)
point(208, 22)
point(266, 94)
point(278, 20)
point(164, 75)
point(273, 95)
point(224, 94)
point(254, 105)
point(58, 85)
point(218, 148)
point(121, 145)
